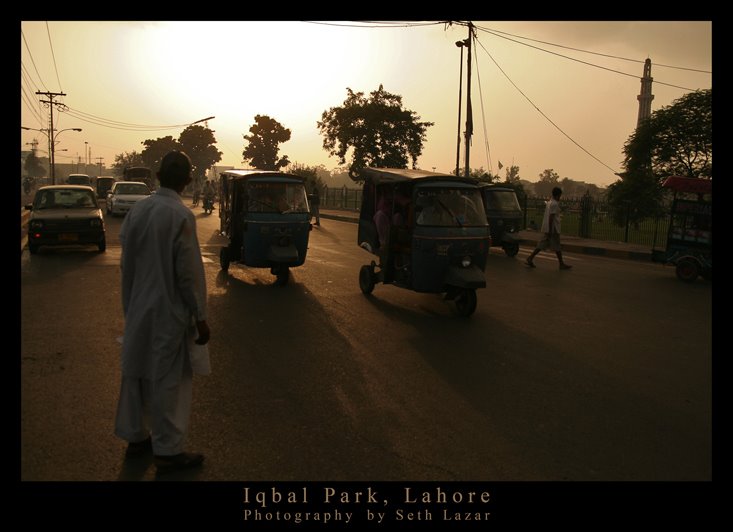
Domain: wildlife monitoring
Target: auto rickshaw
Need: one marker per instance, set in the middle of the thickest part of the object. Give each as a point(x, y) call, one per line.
point(265, 216)
point(690, 236)
point(428, 230)
point(504, 215)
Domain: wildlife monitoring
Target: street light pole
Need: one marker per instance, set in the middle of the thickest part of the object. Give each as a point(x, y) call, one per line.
point(460, 45)
point(52, 142)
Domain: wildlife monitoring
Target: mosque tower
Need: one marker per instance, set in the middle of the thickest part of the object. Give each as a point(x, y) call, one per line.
point(645, 97)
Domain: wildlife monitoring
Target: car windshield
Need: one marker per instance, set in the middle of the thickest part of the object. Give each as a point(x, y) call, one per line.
point(132, 189)
point(283, 198)
point(502, 200)
point(450, 207)
point(64, 199)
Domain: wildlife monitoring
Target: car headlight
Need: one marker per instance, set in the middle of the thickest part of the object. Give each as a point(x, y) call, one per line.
point(466, 262)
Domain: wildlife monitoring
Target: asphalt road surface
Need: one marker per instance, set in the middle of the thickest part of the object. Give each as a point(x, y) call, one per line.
point(603, 372)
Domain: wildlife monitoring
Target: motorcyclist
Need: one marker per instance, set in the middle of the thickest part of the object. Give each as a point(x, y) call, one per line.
point(209, 194)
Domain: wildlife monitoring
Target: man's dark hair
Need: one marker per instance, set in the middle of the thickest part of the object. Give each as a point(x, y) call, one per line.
point(175, 169)
point(556, 192)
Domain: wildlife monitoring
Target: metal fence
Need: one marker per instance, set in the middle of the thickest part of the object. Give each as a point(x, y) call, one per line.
point(585, 217)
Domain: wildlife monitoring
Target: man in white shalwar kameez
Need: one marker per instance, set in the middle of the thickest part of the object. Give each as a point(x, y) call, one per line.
point(164, 302)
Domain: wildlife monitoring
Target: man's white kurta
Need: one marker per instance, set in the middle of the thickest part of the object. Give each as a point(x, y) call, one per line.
point(163, 284)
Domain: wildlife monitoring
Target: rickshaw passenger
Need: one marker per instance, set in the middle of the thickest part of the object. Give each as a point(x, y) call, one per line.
point(382, 218)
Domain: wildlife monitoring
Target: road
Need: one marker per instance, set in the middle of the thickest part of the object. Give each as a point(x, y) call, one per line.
point(600, 373)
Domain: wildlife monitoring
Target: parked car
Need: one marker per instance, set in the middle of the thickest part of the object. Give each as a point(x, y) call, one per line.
point(65, 215)
point(79, 179)
point(123, 196)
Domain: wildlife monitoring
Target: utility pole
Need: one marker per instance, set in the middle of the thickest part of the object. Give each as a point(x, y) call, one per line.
point(51, 103)
point(469, 111)
point(99, 162)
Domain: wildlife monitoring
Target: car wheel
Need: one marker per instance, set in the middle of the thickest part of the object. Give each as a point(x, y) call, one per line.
point(283, 275)
point(102, 245)
point(466, 302)
point(33, 248)
point(366, 280)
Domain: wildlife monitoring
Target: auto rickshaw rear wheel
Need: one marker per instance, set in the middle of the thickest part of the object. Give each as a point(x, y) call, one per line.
point(511, 249)
point(687, 270)
point(466, 302)
point(366, 280)
point(283, 275)
point(224, 259)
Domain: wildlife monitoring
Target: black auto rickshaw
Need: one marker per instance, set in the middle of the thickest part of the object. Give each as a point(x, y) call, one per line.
point(504, 216)
point(689, 244)
point(429, 231)
point(266, 218)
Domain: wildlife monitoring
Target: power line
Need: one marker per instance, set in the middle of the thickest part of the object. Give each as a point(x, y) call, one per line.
point(32, 60)
point(494, 31)
point(483, 117)
point(583, 62)
point(374, 24)
point(114, 124)
point(542, 113)
point(48, 31)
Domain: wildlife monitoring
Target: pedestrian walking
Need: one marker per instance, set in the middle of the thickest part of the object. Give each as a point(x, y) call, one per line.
point(164, 303)
point(315, 201)
point(551, 230)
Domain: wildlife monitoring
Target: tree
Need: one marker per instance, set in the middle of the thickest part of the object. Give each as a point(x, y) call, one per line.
point(263, 144)
point(549, 179)
point(378, 129)
point(155, 150)
point(636, 199)
point(198, 142)
point(309, 174)
point(674, 140)
point(33, 166)
point(123, 160)
point(513, 180)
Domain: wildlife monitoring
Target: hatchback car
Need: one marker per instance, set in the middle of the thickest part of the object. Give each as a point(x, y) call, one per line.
point(79, 179)
point(123, 196)
point(65, 215)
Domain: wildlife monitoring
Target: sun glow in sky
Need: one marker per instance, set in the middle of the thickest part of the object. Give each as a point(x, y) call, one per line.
point(174, 73)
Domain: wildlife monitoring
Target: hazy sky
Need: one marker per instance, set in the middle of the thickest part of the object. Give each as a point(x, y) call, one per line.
point(130, 81)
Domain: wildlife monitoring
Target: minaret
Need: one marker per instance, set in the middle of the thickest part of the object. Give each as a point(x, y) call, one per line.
point(646, 96)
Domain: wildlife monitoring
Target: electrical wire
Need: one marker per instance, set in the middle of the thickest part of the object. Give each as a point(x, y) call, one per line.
point(541, 112)
point(53, 56)
point(32, 60)
point(494, 31)
point(483, 117)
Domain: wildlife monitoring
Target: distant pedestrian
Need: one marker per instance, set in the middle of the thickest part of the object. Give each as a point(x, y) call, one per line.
point(315, 203)
point(551, 230)
point(164, 304)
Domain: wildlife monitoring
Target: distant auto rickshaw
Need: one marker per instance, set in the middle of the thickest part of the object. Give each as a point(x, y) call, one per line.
point(504, 215)
point(265, 217)
point(690, 237)
point(429, 231)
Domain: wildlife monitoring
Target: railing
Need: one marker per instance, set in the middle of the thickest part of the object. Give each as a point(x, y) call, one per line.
point(585, 217)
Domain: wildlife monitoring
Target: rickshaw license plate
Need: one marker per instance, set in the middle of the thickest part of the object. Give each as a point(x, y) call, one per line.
point(68, 237)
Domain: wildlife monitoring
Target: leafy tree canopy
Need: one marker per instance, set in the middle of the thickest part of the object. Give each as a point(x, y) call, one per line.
point(155, 150)
point(33, 166)
point(125, 159)
point(198, 142)
point(674, 140)
point(378, 130)
point(263, 144)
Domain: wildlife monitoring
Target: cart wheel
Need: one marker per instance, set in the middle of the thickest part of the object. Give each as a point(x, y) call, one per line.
point(466, 302)
point(687, 270)
point(224, 259)
point(283, 275)
point(511, 249)
point(366, 280)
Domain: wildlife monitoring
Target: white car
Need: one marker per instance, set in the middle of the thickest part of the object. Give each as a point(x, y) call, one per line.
point(123, 196)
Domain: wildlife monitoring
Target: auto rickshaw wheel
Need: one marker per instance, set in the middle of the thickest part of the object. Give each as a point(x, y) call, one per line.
point(511, 250)
point(224, 259)
point(283, 275)
point(366, 280)
point(102, 245)
point(687, 270)
point(466, 302)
